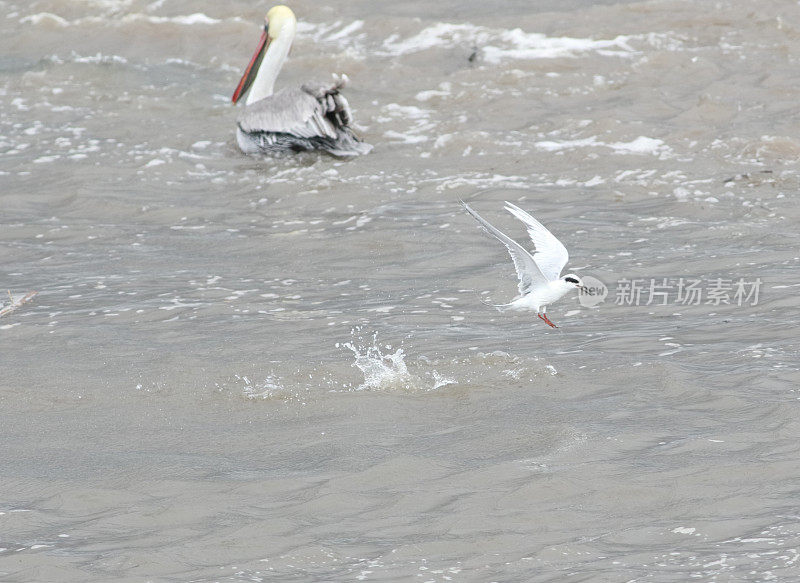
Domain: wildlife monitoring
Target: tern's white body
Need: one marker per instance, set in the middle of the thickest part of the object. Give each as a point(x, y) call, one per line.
point(538, 299)
point(540, 281)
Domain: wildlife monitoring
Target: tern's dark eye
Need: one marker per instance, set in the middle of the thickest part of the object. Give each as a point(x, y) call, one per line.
point(571, 279)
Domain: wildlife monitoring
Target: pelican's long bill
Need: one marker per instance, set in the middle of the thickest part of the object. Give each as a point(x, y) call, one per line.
point(252, 68)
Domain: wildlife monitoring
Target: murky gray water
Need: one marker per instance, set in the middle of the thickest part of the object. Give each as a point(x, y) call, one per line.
point(242, 369)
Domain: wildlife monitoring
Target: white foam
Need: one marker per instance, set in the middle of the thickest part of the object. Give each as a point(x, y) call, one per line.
point(347, 30)
point(184, 20)
point(441, 35)
point(196, 18)
point(445, 88)
point(640, 145)
point(500, 44)
point(552, 146)
point(44, 18)
point(405, 138)
point(414, 133)
point(45, 159)
point(406, 111)
point(443, 140)
point(342, 34)
point(99, 58)
point(681, 193)
point(481, 180)
point(522, 45)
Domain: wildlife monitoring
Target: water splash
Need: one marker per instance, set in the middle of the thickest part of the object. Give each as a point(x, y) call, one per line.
point(270, 387)
point(388, 370)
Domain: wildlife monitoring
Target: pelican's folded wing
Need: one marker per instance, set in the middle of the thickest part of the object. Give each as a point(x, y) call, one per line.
point(315, 115)
point(290, 111)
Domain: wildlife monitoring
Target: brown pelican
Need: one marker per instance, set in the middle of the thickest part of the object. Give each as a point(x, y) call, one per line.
point(314, 116)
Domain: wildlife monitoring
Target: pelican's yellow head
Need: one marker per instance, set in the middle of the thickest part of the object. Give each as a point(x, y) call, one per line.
point(278, 18)
point(279, 26)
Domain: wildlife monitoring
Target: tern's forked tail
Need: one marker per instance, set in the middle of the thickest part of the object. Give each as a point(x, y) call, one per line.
point(498, 307)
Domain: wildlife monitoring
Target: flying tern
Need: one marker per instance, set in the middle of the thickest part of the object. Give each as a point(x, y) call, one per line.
point(540, 281)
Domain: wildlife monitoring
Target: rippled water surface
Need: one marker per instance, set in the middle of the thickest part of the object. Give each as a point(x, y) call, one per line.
point(249, 369)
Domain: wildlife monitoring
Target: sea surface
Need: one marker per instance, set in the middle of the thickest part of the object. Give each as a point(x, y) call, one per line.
point(252, 369)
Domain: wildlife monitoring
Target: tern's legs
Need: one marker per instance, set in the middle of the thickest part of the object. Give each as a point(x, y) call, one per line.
point(543, 317)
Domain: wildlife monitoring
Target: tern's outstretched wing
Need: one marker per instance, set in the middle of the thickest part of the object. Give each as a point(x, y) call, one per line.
point(528, 271)
point(550, 255)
